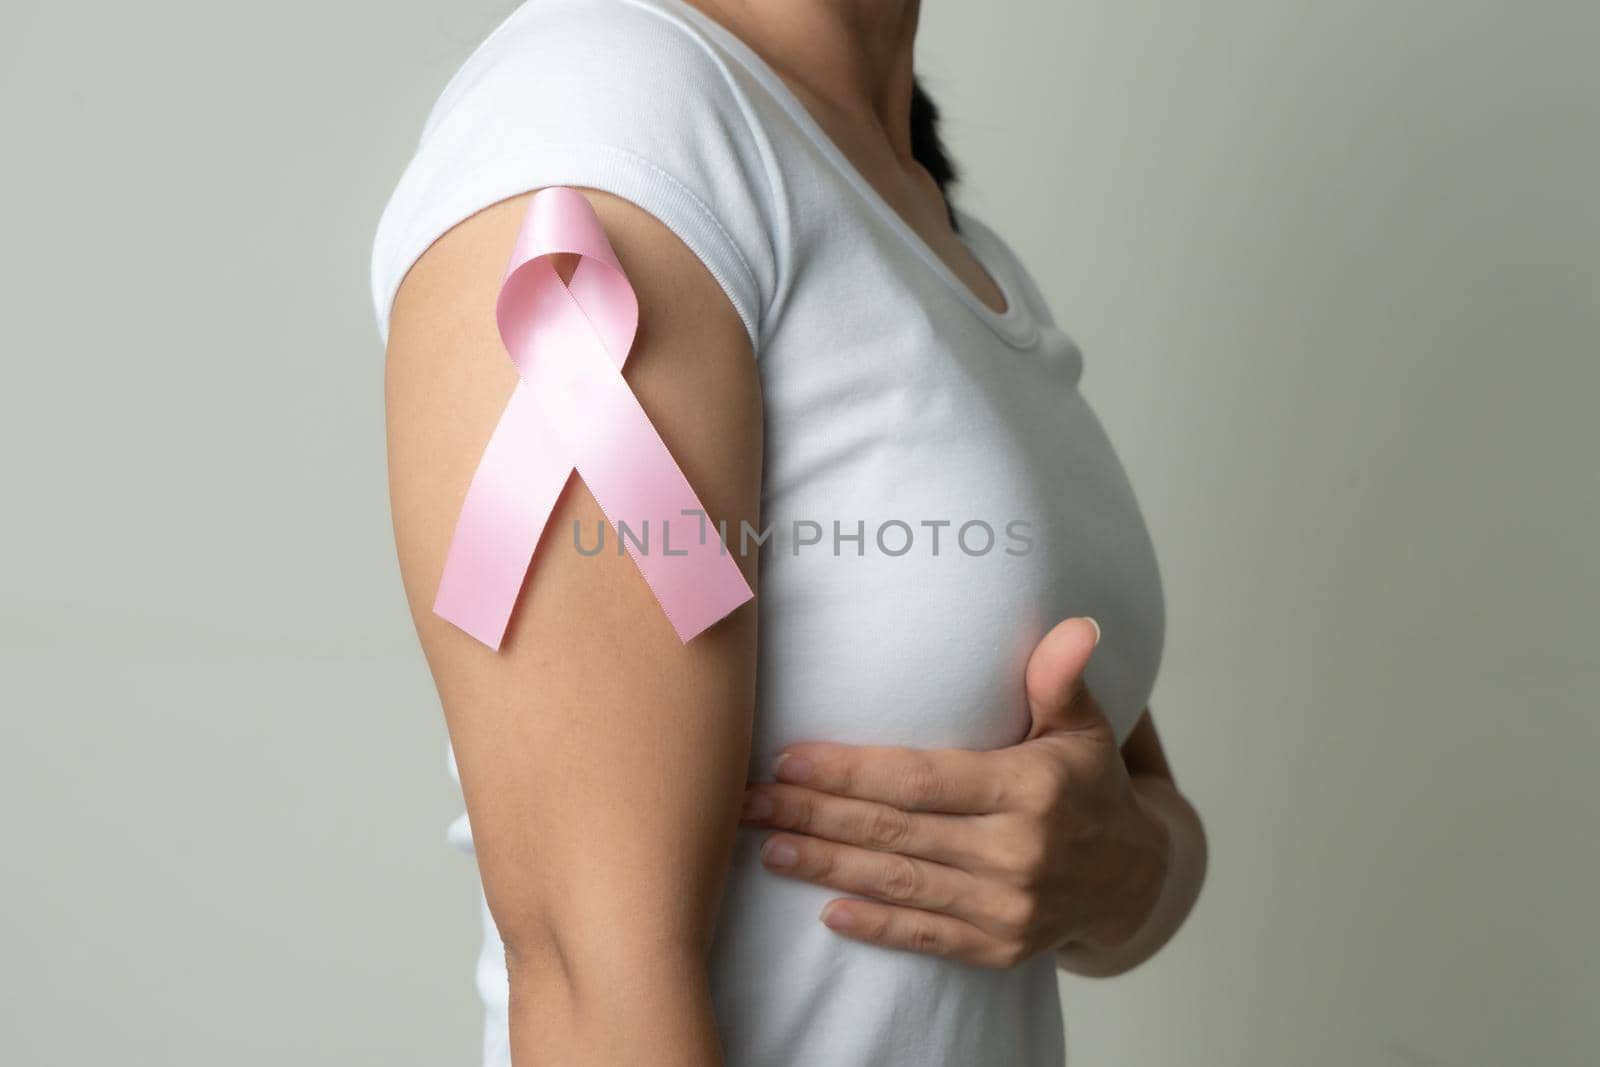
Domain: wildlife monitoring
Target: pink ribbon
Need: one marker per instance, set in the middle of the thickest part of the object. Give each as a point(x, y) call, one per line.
point(572, 410)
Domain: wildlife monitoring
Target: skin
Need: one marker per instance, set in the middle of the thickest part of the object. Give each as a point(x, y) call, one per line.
point(1061, 843)
point(602, 761)
point(850, 63)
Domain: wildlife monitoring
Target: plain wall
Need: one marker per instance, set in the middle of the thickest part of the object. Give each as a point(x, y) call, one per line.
point(1336, 269)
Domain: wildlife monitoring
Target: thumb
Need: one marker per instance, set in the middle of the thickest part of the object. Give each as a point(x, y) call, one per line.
point(1057, 696)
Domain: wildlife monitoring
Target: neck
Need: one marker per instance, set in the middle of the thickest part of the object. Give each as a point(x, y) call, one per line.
point(853, 57)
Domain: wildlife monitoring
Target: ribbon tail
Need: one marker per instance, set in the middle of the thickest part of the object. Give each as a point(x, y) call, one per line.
point(508, 504)
point(627, 466)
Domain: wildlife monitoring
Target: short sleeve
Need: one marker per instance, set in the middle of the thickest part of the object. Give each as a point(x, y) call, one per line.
point(616, 95)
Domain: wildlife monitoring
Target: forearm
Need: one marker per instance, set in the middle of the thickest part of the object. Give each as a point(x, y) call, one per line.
point(1181, 875)
point(572, 1009)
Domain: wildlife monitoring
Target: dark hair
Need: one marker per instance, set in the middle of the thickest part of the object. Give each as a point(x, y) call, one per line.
point(926, 147)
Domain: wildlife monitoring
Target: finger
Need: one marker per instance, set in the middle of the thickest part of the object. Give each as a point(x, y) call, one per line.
point(885, 876)
point(1058, 698)
point(949, 780)
point(955, 840)
point(925, 932)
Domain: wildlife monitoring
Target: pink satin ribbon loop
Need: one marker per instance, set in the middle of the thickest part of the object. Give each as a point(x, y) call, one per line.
point(572, 410)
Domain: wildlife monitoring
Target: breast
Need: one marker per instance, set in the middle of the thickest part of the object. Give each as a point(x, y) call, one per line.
point(933, 514)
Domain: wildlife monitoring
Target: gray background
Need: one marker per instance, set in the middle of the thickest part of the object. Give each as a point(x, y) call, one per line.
point(1335, 268)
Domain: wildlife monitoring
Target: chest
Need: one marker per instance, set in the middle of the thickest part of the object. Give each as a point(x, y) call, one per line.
point(936, 497)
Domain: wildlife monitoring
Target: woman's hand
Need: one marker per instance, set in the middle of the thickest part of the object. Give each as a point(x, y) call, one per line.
point(985, 857)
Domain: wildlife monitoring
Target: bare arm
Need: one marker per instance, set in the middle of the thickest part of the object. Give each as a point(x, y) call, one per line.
point(601, 760)
point(1185, 869)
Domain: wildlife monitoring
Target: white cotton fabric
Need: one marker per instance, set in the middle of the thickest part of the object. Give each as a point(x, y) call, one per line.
point(895, 401)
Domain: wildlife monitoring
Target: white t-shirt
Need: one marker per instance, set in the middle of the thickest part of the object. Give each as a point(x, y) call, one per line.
point(937, 490)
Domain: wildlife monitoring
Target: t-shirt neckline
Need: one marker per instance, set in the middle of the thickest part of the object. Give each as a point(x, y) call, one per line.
point(1015, 325)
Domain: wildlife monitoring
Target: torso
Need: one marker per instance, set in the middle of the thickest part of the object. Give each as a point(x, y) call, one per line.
point(897, 390)
point(911, 396)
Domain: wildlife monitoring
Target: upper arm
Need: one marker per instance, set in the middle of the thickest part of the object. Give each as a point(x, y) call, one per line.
point(601, 760)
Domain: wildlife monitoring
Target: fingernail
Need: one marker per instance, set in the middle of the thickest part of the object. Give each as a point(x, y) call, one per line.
point(779, 854)
point(791, 768)
point(1095, 623)
point(757, 805)
point(836, 916)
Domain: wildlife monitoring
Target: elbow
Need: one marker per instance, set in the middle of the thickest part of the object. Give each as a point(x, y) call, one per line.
point(535, 955)
point(622, 994)
point(577, 964)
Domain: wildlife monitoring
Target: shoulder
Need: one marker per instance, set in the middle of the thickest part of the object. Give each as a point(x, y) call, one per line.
point(447, 380)
point(623, 96)
point(588, 56)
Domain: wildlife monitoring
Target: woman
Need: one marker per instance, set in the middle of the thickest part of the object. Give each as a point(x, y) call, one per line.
point(952, 790)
